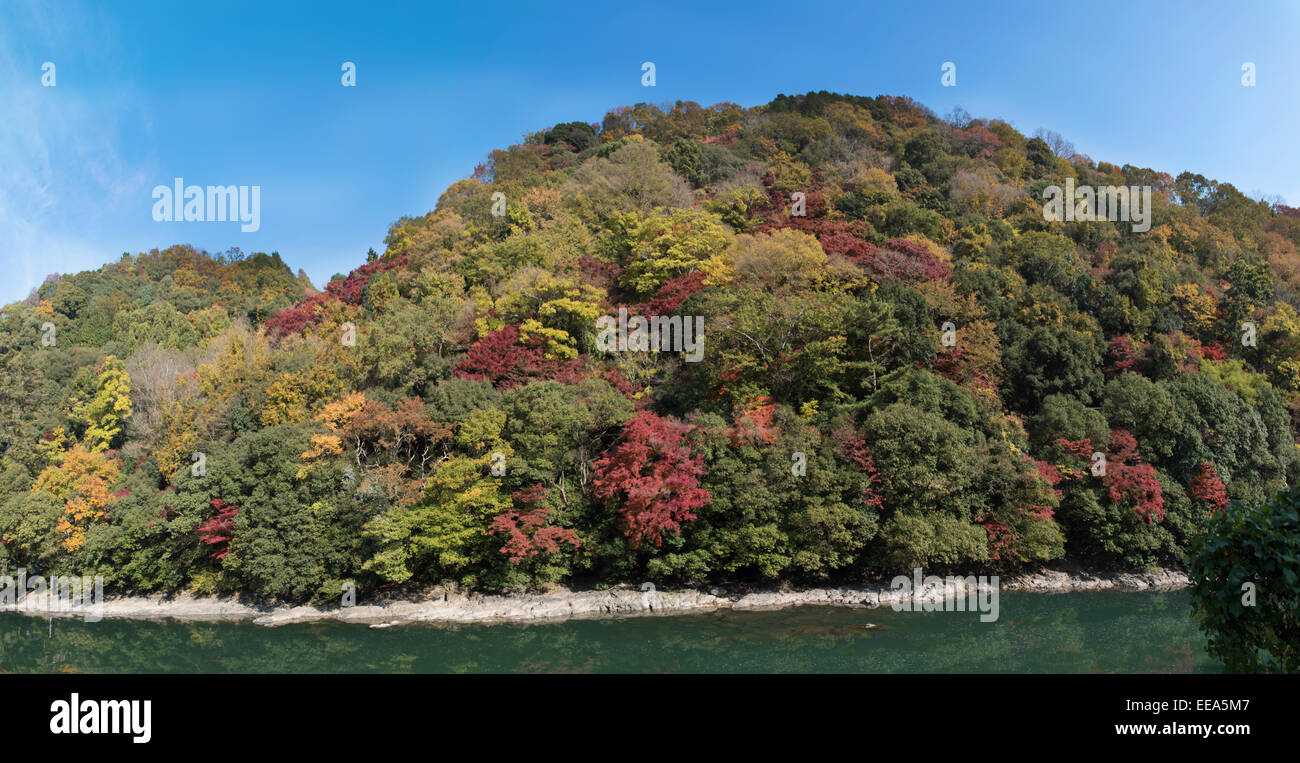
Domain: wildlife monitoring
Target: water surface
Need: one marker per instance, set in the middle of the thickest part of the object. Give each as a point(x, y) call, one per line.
point(1107, 632)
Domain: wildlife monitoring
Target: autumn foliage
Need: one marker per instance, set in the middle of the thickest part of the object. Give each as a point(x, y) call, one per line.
point(853, 448)
point(529, 532)
point(1207, 486)
point(82, 481)
point(217, 530)
point(311, 310)
point(1128, 480)
point(652, 478)
point(501, 359)
point(901, 362)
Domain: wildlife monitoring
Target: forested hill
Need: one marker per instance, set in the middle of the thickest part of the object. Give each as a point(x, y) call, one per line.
point(901, 362)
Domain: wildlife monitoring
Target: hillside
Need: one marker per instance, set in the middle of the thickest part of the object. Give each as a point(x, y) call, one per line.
point(886, 357)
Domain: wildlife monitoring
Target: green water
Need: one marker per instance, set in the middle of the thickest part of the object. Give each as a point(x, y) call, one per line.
point(1035, 633)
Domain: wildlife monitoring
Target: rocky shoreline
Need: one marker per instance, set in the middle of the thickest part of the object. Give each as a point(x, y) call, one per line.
point(450, 607)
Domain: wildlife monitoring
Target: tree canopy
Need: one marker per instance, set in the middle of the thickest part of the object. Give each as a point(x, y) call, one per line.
point(901, 363)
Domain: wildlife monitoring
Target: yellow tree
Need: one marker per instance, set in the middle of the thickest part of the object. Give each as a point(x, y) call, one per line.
point(105, 411)
point(1197, 309)
point(553, 312)
point(1281, 342)
point(291, 398)
point(782, 261)
point(670, 243)
point(335, 416)
point(82, 482)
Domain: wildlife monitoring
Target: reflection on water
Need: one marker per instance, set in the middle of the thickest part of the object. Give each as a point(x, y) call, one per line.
point(1063, 633)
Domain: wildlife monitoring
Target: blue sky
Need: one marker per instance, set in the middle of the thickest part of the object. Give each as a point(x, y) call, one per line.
point(250, 94)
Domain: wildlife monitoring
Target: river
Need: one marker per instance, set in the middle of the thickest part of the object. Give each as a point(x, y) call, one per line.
point(1106, 632)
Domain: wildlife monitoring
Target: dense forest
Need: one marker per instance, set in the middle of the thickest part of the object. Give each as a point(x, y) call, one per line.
point(904, 363)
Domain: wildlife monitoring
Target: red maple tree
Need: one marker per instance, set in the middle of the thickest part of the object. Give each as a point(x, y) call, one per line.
point(853, 448)
point(754, 422)
point(653, 478)
point(310, 311)
point(900, 260)
point(1128, 477)
point(1207, 487)
point(218, 530)
point(671, 294)
point(500, 358)
point(528, 532)
point(1121, 357)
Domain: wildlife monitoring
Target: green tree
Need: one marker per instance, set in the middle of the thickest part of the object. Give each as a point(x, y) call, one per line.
point(579, 135)
point(1245, 573)
point(444, 536)
point(1052, 360)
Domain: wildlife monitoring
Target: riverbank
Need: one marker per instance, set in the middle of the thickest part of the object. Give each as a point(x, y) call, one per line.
point(451, 607)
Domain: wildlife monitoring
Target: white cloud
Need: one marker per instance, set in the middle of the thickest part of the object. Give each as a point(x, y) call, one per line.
point(65, 180)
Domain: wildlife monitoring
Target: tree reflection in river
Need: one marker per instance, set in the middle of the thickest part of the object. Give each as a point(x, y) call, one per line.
point(1063, 633)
